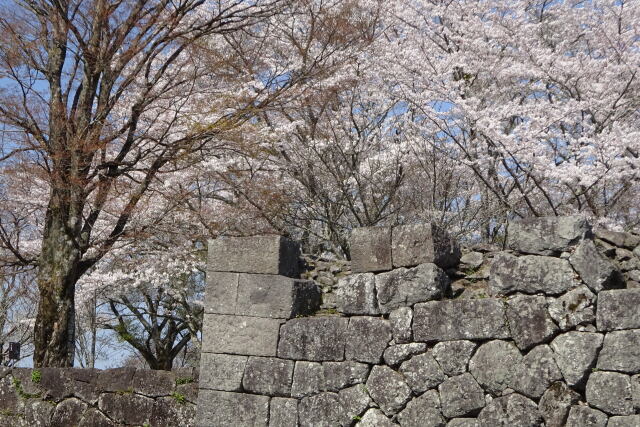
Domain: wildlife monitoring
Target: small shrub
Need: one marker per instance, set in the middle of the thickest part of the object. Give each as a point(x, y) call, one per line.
point(185, 380)
point(179, 397)
point(36, 376)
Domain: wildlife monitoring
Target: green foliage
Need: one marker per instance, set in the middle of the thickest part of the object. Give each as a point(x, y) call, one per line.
point(126, 391)
point(36, 376)
point(185, 380)
point(17, 384)
point(179, 397)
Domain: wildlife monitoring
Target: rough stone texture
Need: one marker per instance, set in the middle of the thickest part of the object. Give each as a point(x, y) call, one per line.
point(555, 403)
point(388, 389)
point(423, 243)
point(375, 418)
point(628, 421)
point(494, 365)
point(621, 352)
point(356, 294)
point(546, 235)
point(453, 356)
point(536, 373)
point(222, 292)
point(463, 422)
point(529, 321)
point(530, 274)
point(224, 371)
point(313, 338)
point(321, 410)
point(460, 319)
point(610, 392)
point(396, 354)
point(404, 287)
point(354, 400)
point(618, 309)
point(422, 411)
point(575, 354)
point(313, 377)
point(267, 295)
point(635, 391)
point(252, 336)
point(370, 249)
point(583, 416)
point(617, 238)
point(401, 319)
point(216, 408)
point(268, 375)
point(308, 378)
point(422, 372)
point(269, 254)
point(69, 412)
point(594, 268)
point(512, 410)
point(367, 338)
point(472, 260)
point(283, 412)
point(574, 308)
point(130, 408)
point(461, 396)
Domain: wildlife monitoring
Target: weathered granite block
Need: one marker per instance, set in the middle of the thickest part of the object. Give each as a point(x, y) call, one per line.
point(222, 371)
point(461, 396)
point(356, 294)
point(460, 319)
point(354, 400)
point(621, 352)
point(628, 421)
point(268, 254)
point(268, 375)
point(370, 249)
point(131, 408)
point(575, 354)
point(574, 308)
point(416, 244)
point(221, 293)
point(397, 354)
point(251, 336)
point(453, 356)
point(610, 392)
point(423, 410)
point(375, 418)
point(267, 295)
point(69, 411)
point(594, 268)
point(422, 372)
point(324, 409)
point(404, 287)
point(583, 416)
point(511, 410)
point(618, 309)
point(339, 375)
point(367, 338)
point(495, 364)
point(617, 238)
point(283, 412)
point(313, 338)
point(220, 408)
point(555, 403)
point(530, 274)
point(529, 321)
point(546, 235)
point(401, 319)
point(308, 378)
point(388, 389)
point(536, 373)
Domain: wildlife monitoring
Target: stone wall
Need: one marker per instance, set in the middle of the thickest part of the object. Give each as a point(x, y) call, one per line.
point(545, 331)
point(94, 398)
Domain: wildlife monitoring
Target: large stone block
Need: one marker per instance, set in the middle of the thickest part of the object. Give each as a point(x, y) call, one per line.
point(321, 410)
point(221, 292)
point(401, 319)
point(356, 294)
point(388, 389)
point(546, 235)
point(459, 320)
point(398, 353)
point(367, 338)
point(575, 354)
point(221, 408)
point(618, 309)
point(536, 373)
point(555, 404)
point(628, 421)
point(583, 416)
point(621, 352)
point(594, 268)
point(268, 254)
point(404, 287)
point(422, 372)
point(313, 338)
point(354, 400)
point(495, 364)
point(268, 375)
point(610, 392)
point(416, 244)
point(375, 418)
point(453, 356)
point(461, 396)
point(370, 249)
point(512, 410)
point(529, 321)
point(283, 412)
point(423, 410)
point(266, 295)
point(251, 336)
point(574, 308)
point(530, 274)
point(222, 371)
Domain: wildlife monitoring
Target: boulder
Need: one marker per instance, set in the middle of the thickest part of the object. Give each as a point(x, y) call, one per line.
point(268, 376)
point(610, 392)
point(536, 373)
point(461, 396)
point(422, 411)
point(453, 356)
point(388, 389)
point(546, 235)
point(356, 294)
point(283, 412)
point(583, 416)
point(423, 243)
point(529, 321)
point(375, 418)
point(396, 354)
point(621, 352)
point(575, 354)
point(512, 410)
point(422, 372)
point(594, 268)
point(355, 401)
point(401, 319)
point(320, 410)
point(618, 309)
point(574, 308)
point(628, 421)
point(494, 364)
point(370, 249)
point(367, 338)
point(404, 287)
point(555, 404)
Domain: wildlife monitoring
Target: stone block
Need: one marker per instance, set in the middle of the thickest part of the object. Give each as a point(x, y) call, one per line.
point(423, 410)
point(396, 354)
point(618, 309)
point(401, 319)
point(313, 339)
point(153, 383)
point(583, 416)
point(69, 411)
point(574, 308)
point(370, 249)
point(308, 379)
point(266, 295)
point(404, 287)
point(356, 294)
point(529, 321)
point(610, 392)
point(222, 371)
point(367, 338)
point(422, 372)
point(628, 421)
point(453, 356)
point(536, 373)
point(375, 418)
point(388, 389)
point(283, 412)
point(251, 336)
point(575, 354)
point(595, 269)
point(618, 238)
point(355, 401)
point(221, 408)
point(621, 352)
point(416, 244)
point(324, 409)
point(268, 375)
point(546, 235)
point(494, 365)
point(471, 260)
point(131, 408)
point(269, 254)
point(459, 320)
point(463, 422)
point(530, 274)
point(221, 293)
point(511, 410)
point(461, 396)
point(339, 375)
point(555, 404)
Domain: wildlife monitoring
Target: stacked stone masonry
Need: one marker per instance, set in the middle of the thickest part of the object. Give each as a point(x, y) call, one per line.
point(65, 397)
point(542, 332)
